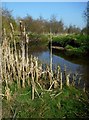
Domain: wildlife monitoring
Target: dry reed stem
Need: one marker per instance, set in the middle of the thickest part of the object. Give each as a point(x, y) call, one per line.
point(36, 69)
point(67, 79)
point(5, 36)
point(33, 87)
point(58, 73)
point(32, 78)
point(12, 28)
point(7, 93)
point(17, 66)
point(84, 88)
point(23, 63)
point(21, 30)
point(55, 84)
point(51, 54)
point(51, 85)
point(73, 81)
point(61, 84)
point(49, 74)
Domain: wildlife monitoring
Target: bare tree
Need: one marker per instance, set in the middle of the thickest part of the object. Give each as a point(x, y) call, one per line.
point(86, 13)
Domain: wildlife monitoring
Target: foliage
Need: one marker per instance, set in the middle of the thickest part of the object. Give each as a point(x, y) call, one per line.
point(7, 18)
point(39, 25)
point(76, 44)
point(38, 38)
point(70, 103)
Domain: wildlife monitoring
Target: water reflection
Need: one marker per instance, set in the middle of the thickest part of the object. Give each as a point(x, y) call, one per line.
point(74, 65)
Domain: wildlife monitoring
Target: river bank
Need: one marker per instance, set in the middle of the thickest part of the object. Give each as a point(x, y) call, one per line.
point(77, 45)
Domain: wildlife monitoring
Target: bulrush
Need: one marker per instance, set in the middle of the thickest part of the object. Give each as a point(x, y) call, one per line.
point(21, 29)
point(67, 79)
point(36, 69)
point(61, 84)
point(84, 87)
point(56, 84)
point(17, 67)
point(58, 73)
point(32, 78)
point(23, 65)
point(7, 93)
point(12, 28)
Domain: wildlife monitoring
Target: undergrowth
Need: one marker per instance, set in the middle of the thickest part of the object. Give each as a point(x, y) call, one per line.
point(67, 103)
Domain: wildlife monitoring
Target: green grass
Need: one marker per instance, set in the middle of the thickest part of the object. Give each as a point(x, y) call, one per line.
point(70, 103)
point(74, 44)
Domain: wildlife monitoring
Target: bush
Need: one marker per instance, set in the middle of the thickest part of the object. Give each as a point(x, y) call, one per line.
point(76, 44)
point(69, 47)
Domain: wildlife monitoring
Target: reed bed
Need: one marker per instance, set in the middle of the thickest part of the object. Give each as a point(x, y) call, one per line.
point(17, 67)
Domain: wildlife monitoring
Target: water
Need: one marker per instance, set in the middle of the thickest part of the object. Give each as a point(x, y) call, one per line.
point(73, 64)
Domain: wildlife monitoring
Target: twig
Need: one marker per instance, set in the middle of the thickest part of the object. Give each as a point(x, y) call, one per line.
point(14, 115)
point(39, 85)
point(51, 85)
point(25, 93)
point(38, 94)
point(58, 94)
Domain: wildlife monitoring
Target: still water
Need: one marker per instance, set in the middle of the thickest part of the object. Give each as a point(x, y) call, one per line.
point(73, 64)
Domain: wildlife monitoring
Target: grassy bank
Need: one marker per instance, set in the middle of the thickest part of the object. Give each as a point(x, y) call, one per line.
point(67, 103)
point(73, 44)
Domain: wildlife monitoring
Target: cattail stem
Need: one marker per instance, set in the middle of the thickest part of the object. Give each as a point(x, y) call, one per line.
point(32, 78)
point(61, 81)
point(36, 70)
point(5, 36)
point(7, 93)
point(51, 54)
point(67, 80)
point(84, 88)
point(58, 73)
point(23, 63)
point(21, 30)
point(33, 87)
point(55, 84)
point(12, 28)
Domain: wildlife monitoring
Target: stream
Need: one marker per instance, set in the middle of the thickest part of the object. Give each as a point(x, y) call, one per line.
point(73, 64)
